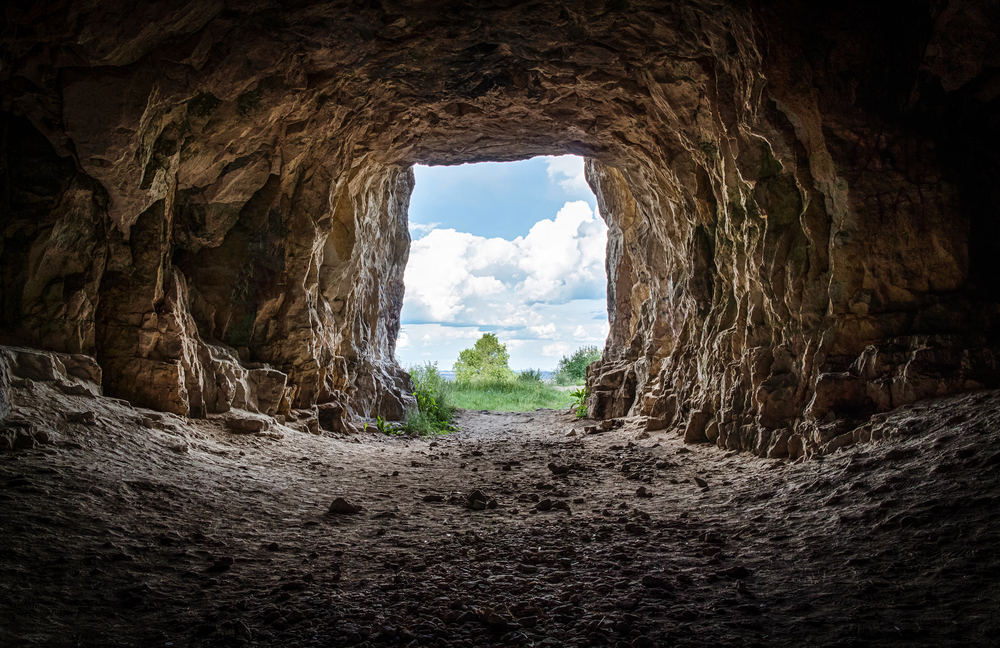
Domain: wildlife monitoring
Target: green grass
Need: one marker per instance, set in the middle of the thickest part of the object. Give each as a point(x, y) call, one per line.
point(434, 409)
point(506, 396)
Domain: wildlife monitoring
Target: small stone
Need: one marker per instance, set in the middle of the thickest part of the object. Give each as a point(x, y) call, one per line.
point(558, 470)
point(22, 440)
point(544, 505)
point(701, 482)
point(247, 425)
point(737, 572)
point(44, 437)
point(571, 433)
point(652, 580)
point(85, 417)
point(478, 500)
point(76, 389)
point(433, 498)
point(642, 492)
point(477, 453)
point(635, 529)
point(340, 506)
point(220, 565)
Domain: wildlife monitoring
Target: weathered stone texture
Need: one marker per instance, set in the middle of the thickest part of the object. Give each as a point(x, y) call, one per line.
point(210, 197)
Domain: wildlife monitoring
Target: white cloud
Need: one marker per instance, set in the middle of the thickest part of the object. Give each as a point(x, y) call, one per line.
point(555, 350)
point(563, 256)
point(567, 172)
point(403, 341)
point(423, 228)
point(539, 292)
point(438, 333)
point(460, 278)
point(546, 331)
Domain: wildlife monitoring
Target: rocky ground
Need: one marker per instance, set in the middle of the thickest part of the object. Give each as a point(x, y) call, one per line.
point(141, 529)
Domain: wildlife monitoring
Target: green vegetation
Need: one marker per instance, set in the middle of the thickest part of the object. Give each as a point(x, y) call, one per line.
point(484, 381)
point(573, 370)
point(434, 411)
point(486, 361)
point(580, 402)
point(524, 393)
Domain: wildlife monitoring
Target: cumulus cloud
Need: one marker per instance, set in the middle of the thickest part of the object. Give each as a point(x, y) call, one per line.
point(555, 350)
point(545, 331)
point(542, 293)
point(403, 340)
point(457, 277)
point(567, 172)
point(422, 228)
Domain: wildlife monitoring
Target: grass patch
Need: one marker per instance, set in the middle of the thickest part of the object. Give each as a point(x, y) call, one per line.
point(518, 395)
point(434, 409)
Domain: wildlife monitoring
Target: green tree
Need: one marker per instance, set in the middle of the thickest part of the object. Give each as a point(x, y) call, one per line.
point(573, 370)
point(485, 361)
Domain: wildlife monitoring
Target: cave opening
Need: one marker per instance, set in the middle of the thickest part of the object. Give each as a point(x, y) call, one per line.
point(205, 235)
point(513, 248)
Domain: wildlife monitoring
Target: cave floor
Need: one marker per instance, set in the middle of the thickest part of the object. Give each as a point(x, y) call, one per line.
point(180, 533)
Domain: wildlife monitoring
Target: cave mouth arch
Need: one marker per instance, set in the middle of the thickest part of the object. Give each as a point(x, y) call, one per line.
point(789, 225)
point(512, 248)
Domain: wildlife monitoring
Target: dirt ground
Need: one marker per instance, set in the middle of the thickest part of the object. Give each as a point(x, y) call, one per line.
point(149, 530)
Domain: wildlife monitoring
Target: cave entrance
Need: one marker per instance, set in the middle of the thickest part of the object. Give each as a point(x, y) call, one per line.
point(511, 248)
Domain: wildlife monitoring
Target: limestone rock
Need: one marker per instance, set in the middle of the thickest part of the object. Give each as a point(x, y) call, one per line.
point(211, 199)
point(247, 425)
point(341, 506)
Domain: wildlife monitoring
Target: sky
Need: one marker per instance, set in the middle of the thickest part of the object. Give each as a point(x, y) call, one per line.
point(516, 249)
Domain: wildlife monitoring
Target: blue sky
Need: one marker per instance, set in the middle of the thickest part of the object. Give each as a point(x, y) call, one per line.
point(515, 249)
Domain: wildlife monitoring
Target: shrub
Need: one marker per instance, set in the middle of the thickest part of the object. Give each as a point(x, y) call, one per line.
point(579, 403)
point(573, 370)
point(434, 412)
point(485, 361)
point(530, 376)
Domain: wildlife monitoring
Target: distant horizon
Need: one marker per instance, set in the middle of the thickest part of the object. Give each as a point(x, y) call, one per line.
point(516, 249)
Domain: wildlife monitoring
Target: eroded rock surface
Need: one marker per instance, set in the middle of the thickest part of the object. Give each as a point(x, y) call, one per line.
point(210, 197)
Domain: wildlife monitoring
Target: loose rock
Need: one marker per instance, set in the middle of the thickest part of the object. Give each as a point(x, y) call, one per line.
point(341, 506)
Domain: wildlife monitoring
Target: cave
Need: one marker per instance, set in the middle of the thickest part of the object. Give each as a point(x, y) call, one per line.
point(205, 230)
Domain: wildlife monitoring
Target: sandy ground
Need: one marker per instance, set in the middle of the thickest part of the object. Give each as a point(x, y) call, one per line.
point(168, 532)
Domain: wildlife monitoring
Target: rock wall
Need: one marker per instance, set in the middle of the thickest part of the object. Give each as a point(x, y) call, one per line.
point(211, 197)
point(818, 261)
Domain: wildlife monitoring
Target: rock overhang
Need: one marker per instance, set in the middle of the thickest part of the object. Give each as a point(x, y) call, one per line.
point(245, 176)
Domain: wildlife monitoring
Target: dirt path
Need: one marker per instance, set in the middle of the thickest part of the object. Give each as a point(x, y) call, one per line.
point(175, 533)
